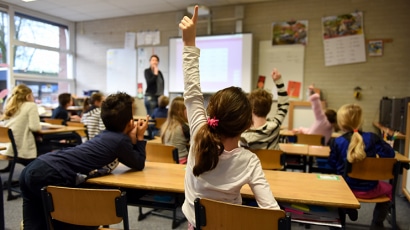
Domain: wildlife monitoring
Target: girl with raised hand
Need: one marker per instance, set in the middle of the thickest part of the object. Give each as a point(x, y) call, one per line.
point(217, 168)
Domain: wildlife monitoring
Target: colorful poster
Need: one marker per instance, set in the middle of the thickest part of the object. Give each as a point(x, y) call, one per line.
point(294, 89)
point(291, 32)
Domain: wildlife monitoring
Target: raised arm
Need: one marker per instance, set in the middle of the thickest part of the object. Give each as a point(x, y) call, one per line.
point(283, 99)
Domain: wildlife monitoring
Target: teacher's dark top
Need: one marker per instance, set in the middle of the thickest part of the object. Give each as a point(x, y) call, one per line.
point(155, 83)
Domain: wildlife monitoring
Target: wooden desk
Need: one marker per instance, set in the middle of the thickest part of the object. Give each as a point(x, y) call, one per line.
point(293, 187)
point(318, 151)
point(296, 149)
point(286, 132)
point(64, 129)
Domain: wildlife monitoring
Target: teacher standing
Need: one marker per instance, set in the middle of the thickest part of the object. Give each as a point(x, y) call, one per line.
point(155, 84)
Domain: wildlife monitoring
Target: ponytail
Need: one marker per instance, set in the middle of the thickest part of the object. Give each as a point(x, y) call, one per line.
point(86, 104)
point(355, 152)
point(208, 147)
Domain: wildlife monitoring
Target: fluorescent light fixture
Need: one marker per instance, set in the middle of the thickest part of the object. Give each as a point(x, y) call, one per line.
point(28, 0)
point(202, 10)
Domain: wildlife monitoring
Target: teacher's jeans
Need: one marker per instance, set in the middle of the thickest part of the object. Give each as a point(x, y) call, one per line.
point(151, 102)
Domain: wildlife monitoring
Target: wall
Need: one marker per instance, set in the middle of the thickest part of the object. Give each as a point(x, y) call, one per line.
point(379, 76)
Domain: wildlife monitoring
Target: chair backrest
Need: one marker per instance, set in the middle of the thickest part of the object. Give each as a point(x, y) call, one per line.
point(6, 136)
point(82, 133)
point(54, 121)
point(212, 214)
point(158, 152)
point(372, 168)
point(270, 159)
point(310, 139)
point(159, 121)
point(86, 207)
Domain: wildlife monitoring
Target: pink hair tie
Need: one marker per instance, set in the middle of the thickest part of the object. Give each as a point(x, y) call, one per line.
point(213, 122)
point(355, 130)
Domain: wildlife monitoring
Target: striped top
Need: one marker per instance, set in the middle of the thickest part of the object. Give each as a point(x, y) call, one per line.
point(267, 135)
point(92, 119)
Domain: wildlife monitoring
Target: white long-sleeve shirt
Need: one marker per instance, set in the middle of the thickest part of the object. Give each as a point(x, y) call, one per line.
point(235, 168)
point(23, 124)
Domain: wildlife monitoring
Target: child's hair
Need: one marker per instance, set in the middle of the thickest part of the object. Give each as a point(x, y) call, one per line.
point(116, 111)
point(176, 116)
point(261, 102)
point(89, 101)
point(349, 119)
point(64, 99)
point(163, 101)
point(230, 114)
point(331, 116)
point(17, 98)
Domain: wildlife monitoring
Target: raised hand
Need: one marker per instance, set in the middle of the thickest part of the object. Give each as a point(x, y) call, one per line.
point(275, 74)
point(188, 27)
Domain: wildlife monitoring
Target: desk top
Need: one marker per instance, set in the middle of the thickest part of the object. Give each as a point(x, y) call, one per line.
point(286, 132)
point(292, 148)
point(59, 129)
point(304, 188)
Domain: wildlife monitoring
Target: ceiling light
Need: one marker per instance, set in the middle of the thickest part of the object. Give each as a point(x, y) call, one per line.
point(202, 10)
point(28, 0)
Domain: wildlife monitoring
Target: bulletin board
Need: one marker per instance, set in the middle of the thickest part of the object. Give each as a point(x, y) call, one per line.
point(144, 54)
point(288, 59)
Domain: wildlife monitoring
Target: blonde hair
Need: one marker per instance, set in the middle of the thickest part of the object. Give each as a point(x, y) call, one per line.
point(176, 117)
point(17, 98)
point(349, 119)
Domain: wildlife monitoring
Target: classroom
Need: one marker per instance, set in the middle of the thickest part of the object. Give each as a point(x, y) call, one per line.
point(377, 77)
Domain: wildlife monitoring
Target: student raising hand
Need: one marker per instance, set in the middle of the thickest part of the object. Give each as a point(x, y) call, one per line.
point(275, 74)
point(188, 27)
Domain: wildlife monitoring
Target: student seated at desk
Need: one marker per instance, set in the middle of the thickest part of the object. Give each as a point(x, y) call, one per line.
point(64, 100)
point(175, 130)
point(325, 120)
point(92, 114)
point(122, 139)
point(21, 116)
point(264, 133)
point(217, 168)
point(354, 146)
point(161, 111)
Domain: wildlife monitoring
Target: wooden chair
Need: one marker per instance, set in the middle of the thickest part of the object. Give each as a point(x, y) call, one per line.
point(212, 214)
point(6, 136)
point(54, 121)
point(372, 168)
point(310, 139)
point(86, 207)
point(159, 121)
point(270, 159)
point(82, 133)
point(158, 152)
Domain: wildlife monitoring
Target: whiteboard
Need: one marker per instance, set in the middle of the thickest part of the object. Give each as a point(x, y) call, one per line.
point(144, 54)
point(122, 71)
point(288, 59)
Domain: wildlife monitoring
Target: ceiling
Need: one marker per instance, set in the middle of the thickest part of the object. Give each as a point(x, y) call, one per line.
point(84, 10)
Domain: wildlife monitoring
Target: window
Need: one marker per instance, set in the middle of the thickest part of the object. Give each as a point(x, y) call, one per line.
point(40, 49)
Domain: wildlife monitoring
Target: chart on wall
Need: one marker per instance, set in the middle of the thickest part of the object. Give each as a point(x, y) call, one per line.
point(144, 54)
point(343, 39)
point(289, 60)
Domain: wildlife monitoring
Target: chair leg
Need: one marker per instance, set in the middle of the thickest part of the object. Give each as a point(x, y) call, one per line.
point(142, 215)
point(10, 195)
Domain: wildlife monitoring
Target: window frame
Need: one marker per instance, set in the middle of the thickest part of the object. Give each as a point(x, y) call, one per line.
point(12, 77)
